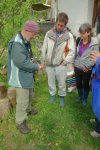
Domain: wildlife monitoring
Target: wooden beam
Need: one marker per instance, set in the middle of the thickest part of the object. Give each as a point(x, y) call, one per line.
point(96, 10)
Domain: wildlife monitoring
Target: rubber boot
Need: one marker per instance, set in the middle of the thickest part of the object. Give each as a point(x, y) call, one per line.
point(85, 96)
point(61, 101)
point(80, 94)
point(52, 98)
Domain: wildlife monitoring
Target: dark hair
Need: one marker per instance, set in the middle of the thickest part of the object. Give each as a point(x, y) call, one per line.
point(62, 17)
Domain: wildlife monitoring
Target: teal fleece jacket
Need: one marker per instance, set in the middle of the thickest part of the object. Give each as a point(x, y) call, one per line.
point(20, 66)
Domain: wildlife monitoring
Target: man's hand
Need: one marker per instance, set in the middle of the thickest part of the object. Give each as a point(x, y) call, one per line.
point(94, 55)
point(63, 63)
point(41, 66)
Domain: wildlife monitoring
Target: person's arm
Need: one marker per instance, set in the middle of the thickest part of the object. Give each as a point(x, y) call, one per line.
point(94, 55)
point(44, 49)
point(90, 63)
point(21, 60)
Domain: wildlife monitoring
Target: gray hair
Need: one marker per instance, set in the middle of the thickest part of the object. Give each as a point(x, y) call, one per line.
point(86, 27)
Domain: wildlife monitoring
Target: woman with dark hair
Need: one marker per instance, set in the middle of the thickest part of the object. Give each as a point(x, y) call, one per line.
point(83, 64)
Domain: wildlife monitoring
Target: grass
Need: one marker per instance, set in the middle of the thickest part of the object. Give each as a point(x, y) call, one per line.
point(53, 128)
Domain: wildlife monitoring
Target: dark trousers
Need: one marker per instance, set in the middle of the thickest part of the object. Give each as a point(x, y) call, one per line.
point(83, 79)
point(97, 129)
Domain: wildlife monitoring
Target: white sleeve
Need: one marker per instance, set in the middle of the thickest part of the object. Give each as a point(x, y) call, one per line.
point(44, 49)
point(71, 45)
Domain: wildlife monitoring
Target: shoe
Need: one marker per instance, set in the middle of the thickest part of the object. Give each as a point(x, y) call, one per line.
point(92, 120)
point(23, 128)
point(52, 98)
point(78, 99)
point(61, 101)
point(80, 94)
point(84, 103)
point(33, 112)
point(85, 97)
point(95, 134)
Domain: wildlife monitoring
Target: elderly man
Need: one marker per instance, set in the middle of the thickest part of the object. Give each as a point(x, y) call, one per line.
point(58, 50)
point(20, 72)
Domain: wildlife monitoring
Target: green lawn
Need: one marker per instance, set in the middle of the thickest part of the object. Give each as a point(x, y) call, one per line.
point(53, 128)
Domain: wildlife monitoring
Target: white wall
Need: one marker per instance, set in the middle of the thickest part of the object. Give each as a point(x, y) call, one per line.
point(79, 11)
